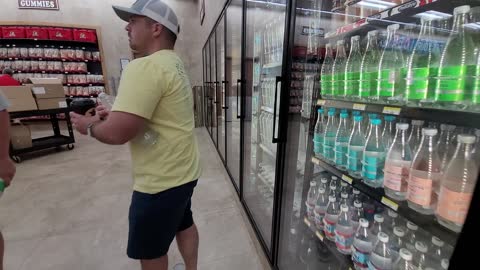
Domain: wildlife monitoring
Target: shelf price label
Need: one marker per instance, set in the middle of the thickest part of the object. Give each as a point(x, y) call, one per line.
point(315, 161)
point(321, 102)
point(347, 179)
point(391, 110)
point(307, 222)
point(319, 235)
point(389, 203)
point(359, 107)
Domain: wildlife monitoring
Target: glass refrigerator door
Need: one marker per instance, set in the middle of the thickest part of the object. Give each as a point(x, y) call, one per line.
point(208, 89)
point(214, 86)
point(265, 22)
point(392, 149)
point(220, 84)
point(233, 63)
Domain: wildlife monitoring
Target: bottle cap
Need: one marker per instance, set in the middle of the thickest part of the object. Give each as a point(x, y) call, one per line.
point(373, 33)
point(313, 183)
point(333, 187)
point(378, 218)
point(393, 27)
point(357, 204)
point(392, 213)
point(340, 42)
point(464, 138)
point(461, 10)
point(429, 131)
point(320, 111)
point(344, 184)
point(437, 241)
point(332, 199)
point(447, 127)
point(332, 110)
point(382, 237)
point(406, 254)
point(331, 113)
point(412, 226)
point(477, 132)
point(344, 115)
point(334, 178)
point(355, 38)
point(324, 180)
point(344, 208)
point(364, 223)
point(402, 126)
point(328, 45)
point(418, 122)
point(321, 190)
point(445, 263)
point(389, 118)
point(399, 231)
point(376, 122)
point(344, 195)
point(372, 115)
point(420, 246)
point(356, 191)
point(356, 113)
point(358, 118)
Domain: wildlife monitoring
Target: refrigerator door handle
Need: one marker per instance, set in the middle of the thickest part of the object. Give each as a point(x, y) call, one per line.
point(225, 83)
point(215, 92)
point(238, 104)
point(275, 139)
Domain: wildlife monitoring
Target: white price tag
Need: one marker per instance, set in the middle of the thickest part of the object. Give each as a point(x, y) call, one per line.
point(347, 179)
point(315, 161)
point(387, 202)
point(391, 110)
point(62, 104)
point(321, 102)
point(39, 90)
point(359, 107)
point(307, 222)
point(319, 235)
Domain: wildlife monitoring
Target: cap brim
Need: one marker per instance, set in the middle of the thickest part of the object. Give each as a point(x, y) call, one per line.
point(125, 13)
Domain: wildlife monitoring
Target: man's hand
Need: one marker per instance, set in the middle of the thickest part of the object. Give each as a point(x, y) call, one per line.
point(81, 122)
point(7, 170)
point(102, 112)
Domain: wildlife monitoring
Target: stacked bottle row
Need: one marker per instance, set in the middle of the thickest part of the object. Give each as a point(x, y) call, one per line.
point(409, 165)
point(375, 239)
point(422, 71)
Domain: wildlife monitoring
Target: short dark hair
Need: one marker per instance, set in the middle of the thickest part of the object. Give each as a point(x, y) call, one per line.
point(8, 71)
point(170, 35)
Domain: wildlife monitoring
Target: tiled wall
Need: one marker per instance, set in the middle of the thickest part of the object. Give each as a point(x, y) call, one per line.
point(114, 38)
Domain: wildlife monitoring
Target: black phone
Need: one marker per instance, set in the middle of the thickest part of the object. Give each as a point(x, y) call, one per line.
point(83, 106)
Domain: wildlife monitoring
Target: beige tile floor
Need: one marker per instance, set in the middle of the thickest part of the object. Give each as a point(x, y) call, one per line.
point(68, 210)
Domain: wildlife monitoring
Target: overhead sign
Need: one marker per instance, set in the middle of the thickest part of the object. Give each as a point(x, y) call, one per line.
point(307, 31)
point(38, 4)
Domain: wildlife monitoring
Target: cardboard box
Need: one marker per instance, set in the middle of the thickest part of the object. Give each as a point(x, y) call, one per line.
point(20, 137)
point(20, 98)
point(51, 103)
point(45, 88)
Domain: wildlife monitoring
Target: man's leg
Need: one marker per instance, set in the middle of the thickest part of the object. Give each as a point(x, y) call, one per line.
point(1, 251)
point(156, 264)
point(187, 241)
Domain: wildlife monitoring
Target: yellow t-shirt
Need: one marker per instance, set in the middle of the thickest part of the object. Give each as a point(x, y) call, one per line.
point(157, 88)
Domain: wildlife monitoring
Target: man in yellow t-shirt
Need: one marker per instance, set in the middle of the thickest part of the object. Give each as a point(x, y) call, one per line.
point(154, 112)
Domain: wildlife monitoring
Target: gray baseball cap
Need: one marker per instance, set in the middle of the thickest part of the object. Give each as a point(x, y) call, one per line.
point(156, 10)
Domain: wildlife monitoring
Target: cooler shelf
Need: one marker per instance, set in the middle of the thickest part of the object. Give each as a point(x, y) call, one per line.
point(427, 223)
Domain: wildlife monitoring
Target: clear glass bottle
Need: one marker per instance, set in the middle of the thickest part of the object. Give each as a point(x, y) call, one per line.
point(369, 67)
point(411, 236)
point(320, 208)
point(356, 214)
point(362, 246)
point(341, 142)
point(311, 199)
point(457, 64)
point(356, 144)
point(378, 225)
point(446, 143)
point(397, 165)
point(388, 133)
point(425, 175)
point(397, 242)
point(420, 259)
point(329, 137)
point(374, 156)
point(352, 69)
point(331, 218)
point(381, 257)
point(326, 73)
point(318, 134)
point(344, 231)
point(391, 70)
point(405, 262)
point(415, 134)
point(338, 71)
point(457, 185)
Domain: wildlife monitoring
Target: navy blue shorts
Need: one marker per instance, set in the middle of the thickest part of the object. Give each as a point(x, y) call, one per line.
point(156, 218)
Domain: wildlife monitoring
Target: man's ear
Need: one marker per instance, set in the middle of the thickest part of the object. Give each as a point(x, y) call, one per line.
point(157, 30)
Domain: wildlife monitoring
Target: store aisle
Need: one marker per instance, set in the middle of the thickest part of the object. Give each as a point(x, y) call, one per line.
point(68, 210)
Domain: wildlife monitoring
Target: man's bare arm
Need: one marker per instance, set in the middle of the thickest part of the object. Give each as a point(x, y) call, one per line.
point(119, 128)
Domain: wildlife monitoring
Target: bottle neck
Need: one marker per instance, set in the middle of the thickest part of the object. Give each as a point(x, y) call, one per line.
point(465, 150)
point(341, 51)
point(329, 53)
point(428, 143)
point(372, 43)
point(355, 47)
point(459, 21)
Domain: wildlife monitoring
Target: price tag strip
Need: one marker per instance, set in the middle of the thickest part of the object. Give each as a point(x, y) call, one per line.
point(307, 222)
point(347, 179)
point(321, 102)
point(319, 235)
point(359, 107)
point(389, 203)
point(391, 110)
point(315, 161)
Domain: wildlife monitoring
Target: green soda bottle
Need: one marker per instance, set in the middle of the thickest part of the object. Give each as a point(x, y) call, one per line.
point(338, 71)
point(352, 69)
point(391, 70)
point(423, 67)
point(475, 101)
point(2, 186)
point(369, 67)
point(454, 84)
point(326, 73)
